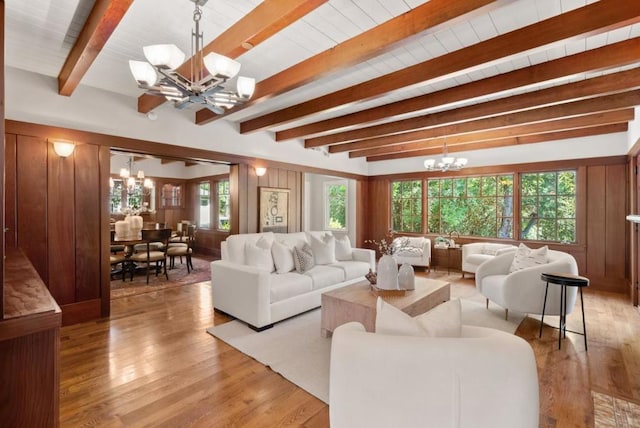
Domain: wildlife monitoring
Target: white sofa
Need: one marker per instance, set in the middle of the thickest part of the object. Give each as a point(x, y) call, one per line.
point(476, 253)
point(523, 290)
point(486, 378)
point(261, 297)
point(413, 250)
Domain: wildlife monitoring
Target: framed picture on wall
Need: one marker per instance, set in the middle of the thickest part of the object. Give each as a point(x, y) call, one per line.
point(274, 210)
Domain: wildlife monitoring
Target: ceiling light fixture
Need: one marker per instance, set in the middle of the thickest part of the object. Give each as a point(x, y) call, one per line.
point(133, 183)
point(447, 163)
point(158, 76)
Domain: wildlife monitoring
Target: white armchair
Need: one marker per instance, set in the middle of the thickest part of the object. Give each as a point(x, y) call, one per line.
point(486, 378)
point(415, 251)
point(523, 290)
point(476, 253)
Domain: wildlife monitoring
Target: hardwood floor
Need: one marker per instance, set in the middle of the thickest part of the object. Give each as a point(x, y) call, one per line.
point(153, 364)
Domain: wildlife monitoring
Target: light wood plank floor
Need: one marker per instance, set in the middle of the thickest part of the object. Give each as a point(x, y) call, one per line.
point(153, 364)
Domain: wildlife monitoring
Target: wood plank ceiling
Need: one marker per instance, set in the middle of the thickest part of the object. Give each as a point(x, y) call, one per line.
point(396, 79)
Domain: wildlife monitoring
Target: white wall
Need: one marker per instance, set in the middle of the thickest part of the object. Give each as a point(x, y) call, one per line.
point(314, 203)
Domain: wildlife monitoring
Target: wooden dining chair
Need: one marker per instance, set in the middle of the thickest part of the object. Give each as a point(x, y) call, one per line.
point(150, 254)
point(183, 249)
point(118, 257)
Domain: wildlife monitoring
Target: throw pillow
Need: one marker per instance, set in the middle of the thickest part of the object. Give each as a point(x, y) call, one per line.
point(525, 257)
point(259, 254)
point(282, 257)
point(392, 321)
point(445, 320)
point(489, 250)
point(343, 249)
point(324, 250)
point(303, 258)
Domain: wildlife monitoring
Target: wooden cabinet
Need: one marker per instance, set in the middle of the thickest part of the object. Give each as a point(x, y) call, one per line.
point(29, 348)
point(447, 258)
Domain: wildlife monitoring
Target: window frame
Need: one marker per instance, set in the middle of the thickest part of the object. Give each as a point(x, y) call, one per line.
point(200, 225)
point(217, 205)
point(326, 203)
point(422, 205)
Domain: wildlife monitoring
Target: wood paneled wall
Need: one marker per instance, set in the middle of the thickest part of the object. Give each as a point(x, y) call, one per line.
point(244, 188)
point(602, 247)
point(56, 216)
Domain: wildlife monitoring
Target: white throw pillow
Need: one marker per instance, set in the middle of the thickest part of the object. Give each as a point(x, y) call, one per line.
point(282, 257)
point(445, 320)
point(303, 258)
point(259, 254)
point(525, 257)
point(343, 249)
point(392, 321)
point(324, 250)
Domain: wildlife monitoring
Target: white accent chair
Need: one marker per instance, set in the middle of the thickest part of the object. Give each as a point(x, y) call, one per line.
point(523, 290)
point(415, 251)
point(476, 253)
point(485, 379)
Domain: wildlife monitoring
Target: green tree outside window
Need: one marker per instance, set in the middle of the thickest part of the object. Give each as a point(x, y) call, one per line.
point(406, 206)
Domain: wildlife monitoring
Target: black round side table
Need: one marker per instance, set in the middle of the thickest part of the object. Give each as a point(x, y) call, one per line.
point(565, 280)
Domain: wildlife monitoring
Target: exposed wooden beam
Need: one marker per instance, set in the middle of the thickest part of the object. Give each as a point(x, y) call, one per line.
point(595, 18)
point(509, 141)
point(543, 114)
point(265, 20)
point(606, 84)
point(167, 161)
point(614, 55)
point(102, 21)
point(376, 41)
point(188, 164)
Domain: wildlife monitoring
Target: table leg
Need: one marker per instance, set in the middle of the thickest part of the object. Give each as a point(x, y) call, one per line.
point(544, 306)
point(584, 325)
point(561, 318)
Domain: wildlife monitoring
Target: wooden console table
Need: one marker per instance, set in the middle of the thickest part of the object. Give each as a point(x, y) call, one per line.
point(29, 347)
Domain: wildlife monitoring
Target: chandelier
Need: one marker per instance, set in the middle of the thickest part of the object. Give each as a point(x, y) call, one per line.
point(447, 163)
point(135, 182)
point(158, 76)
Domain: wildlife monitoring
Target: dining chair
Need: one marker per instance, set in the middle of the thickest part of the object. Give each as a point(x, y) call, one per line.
point(184, 248)
point(150, 254)
point(118, 257)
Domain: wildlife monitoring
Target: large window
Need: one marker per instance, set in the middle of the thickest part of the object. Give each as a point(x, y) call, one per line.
point(123, 198)
point(335, 193)
point(472, 206)
point(205, 204)
point(223, 205)
point(406, 206)
point(548, 206)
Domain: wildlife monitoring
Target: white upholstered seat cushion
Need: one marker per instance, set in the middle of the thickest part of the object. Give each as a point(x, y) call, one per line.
point(323, 276)
point(286, 285)
point(353, 269)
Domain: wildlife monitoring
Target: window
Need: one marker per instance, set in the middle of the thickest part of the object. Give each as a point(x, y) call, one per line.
point(406, 206)
point(205, 204)
point(548, 206)
point(472, 206)
point(121, 197)
point(223, 205)
point(335, 196)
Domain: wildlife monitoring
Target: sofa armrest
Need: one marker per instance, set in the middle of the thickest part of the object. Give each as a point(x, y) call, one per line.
point(241, 291)
point(365, 255)
point(472, 248)
point(487, 380)
point(426, 251)
point(506, 250)
point(499, 265)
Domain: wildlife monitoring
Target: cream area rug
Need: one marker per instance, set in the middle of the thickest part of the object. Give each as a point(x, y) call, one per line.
point(295, 349)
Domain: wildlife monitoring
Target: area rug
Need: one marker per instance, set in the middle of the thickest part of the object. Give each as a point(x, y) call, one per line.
point(295, 349)
point(178, 277)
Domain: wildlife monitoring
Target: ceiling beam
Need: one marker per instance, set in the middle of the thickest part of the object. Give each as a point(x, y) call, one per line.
point(610, 83)
point(614, 55)
point(101, 22)
point(595, 18)
point(374, 42)
point(543, 114)
point(265, 20)
point(509, 141)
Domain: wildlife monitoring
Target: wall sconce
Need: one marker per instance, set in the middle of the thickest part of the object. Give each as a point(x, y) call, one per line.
point(260, 171)
point(63, 148)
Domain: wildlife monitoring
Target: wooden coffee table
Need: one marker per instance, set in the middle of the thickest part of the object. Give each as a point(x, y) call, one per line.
point(357, 302)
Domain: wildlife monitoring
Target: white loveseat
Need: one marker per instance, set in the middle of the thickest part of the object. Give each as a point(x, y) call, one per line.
point(476, 253)
point(415, 251)
point(260, 296)
point(484, 379)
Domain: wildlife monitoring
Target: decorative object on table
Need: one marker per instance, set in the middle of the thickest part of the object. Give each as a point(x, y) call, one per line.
point(371, 277)
point(122, 230)
point(274, 210)
point(406, 277)
point(387, 293)
point(441, 242)
point(387, 273)
point(135, 226)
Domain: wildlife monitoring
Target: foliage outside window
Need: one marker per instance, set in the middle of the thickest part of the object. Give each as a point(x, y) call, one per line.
point(406, 206)
point(548, 206)
point(204, 191)
point(115, 197)
point(472, 206)
point(336, 205)
point(223, 205)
